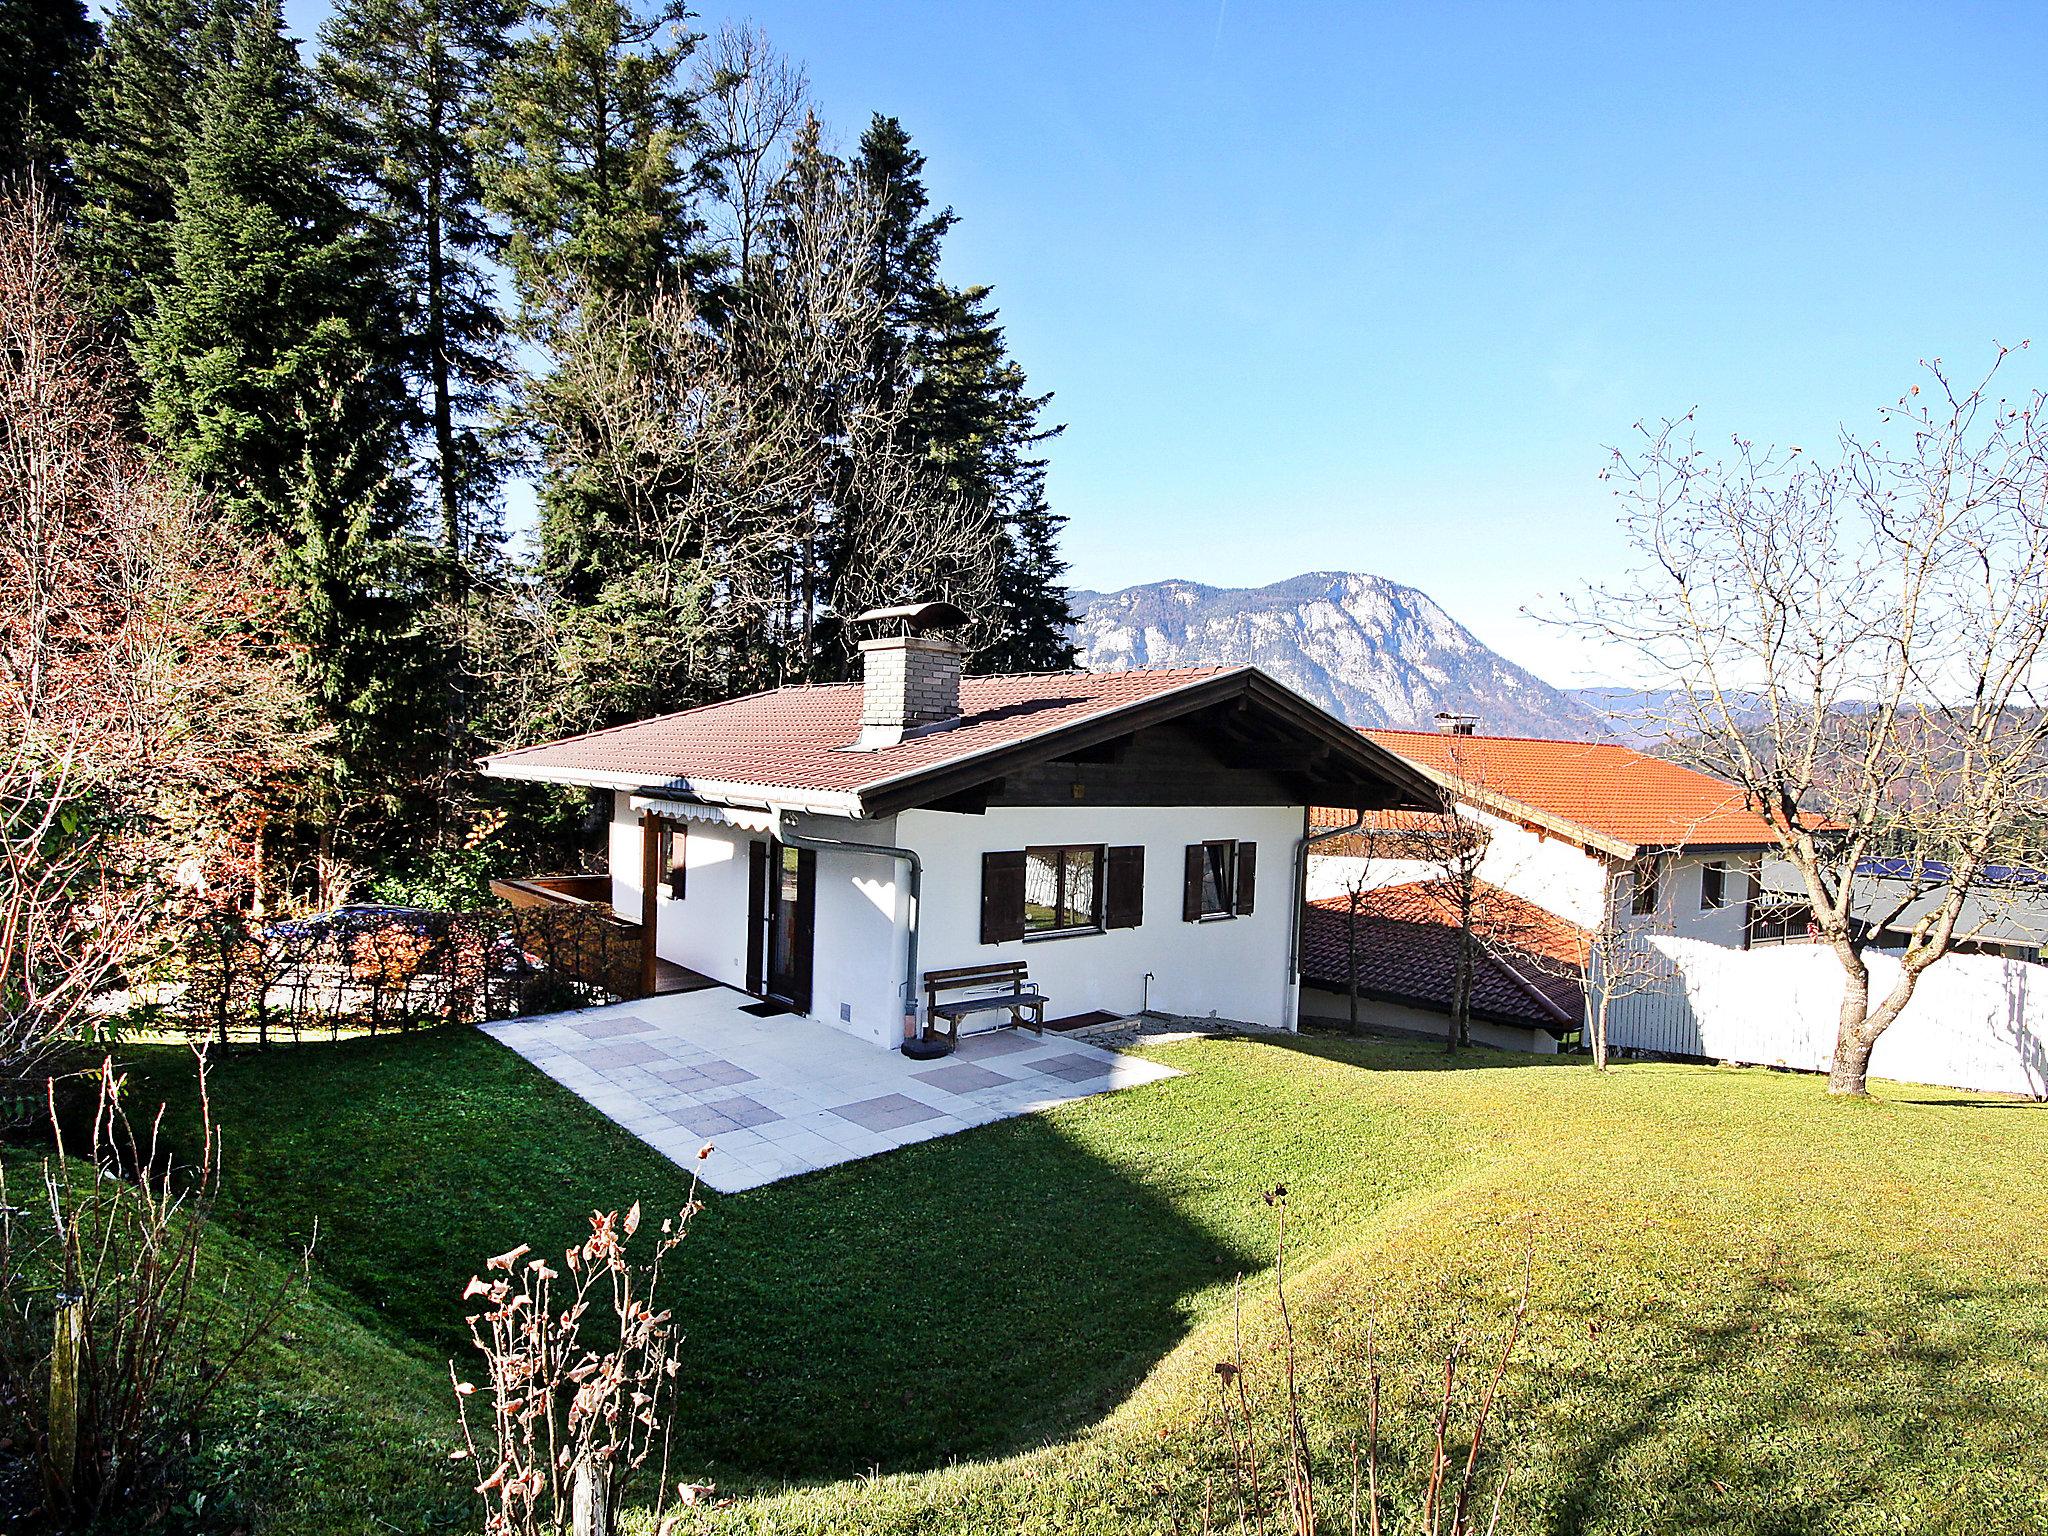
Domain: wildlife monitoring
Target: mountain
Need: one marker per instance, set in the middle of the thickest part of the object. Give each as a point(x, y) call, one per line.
point(1651, 719)
point(1368, 649)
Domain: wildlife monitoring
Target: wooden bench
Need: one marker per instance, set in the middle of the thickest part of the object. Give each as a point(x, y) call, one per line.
point(1014, 992)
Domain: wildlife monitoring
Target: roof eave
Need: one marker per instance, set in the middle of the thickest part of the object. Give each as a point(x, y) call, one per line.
point(708, 791)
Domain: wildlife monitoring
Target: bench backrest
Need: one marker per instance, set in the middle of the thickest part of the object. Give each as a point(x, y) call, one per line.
point(1009, 972)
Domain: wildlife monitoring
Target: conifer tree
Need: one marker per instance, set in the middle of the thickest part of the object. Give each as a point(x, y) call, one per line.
point(587, 152)
point(45, 47)
point(971, 413)
point(128, 160)
point(267, 358)
point(410, 79)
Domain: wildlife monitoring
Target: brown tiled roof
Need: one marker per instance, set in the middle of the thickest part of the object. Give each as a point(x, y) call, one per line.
point(1611, 794)
point(1385, 835)
point(1527, 968)
point(799, 738)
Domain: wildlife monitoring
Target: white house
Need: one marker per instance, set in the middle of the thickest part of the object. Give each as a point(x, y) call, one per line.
point(1582, 829)
point(1135, 838)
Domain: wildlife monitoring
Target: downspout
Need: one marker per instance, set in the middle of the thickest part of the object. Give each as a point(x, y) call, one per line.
point(915, 867)
point(1301, 894)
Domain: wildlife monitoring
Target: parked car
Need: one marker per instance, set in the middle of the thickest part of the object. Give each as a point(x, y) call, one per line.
point(354, 918)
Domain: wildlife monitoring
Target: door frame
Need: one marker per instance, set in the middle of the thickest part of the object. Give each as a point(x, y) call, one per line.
point(764, 918)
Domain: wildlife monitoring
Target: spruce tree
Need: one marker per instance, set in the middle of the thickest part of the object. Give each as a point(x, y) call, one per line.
point(971, 411)
point(45, 47)
point(410, 79)
point(128, 160)
point(588, 153)
point(268, 361)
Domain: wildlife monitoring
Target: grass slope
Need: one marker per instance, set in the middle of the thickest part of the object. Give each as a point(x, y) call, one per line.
point(1755, 1310)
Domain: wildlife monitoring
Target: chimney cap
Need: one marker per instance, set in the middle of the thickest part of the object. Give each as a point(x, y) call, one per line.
point(915, 618)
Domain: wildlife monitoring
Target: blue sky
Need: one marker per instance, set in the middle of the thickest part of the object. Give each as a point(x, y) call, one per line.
point(1372, 287)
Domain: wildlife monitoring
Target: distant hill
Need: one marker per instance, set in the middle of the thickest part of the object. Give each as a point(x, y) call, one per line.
point(1368, 649)
point(1650, 719)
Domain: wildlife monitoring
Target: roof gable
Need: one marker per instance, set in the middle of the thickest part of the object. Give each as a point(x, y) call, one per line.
point(794, 746)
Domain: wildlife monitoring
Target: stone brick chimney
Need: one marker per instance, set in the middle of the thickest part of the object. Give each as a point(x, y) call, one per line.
point(910, 682)
point(1449, 724)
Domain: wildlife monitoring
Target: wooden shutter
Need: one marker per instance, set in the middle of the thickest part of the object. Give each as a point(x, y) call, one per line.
point(1123, 904)
point(1191, 883)
point(1002, 896)
point(757, 913)
point(1247, 877)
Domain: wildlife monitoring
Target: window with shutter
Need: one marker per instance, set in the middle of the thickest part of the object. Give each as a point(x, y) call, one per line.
point(1191, 883)
point(1002, 896)
point(1123, 904)
point(1247, 876)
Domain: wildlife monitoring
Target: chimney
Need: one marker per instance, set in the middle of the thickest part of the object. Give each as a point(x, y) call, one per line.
point(910, 681)
point(1449, 724)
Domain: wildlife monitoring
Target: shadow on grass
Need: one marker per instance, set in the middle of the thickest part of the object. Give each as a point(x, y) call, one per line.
point(1795, 1405)
point(958, 1298)
point(1391, 1053)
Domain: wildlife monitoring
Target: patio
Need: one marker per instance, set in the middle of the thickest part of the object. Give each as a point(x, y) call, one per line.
point(784, 1095)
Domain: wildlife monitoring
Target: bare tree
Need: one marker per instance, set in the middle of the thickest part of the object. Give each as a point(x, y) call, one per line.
point(1857, 645)
point(752, 99)
point(144, 694)
point(1619, 962)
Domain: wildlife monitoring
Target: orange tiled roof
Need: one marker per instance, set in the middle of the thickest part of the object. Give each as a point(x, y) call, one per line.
point(1607, 794)
point(1528, 965)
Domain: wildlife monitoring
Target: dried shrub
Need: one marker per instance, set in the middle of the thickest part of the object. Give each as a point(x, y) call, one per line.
point(562, 1420)
point(1272, 1482)
point(111, 1347)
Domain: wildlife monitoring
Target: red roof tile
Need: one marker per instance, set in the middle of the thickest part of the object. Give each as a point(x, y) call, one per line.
point(1612, 792)
point(800, 738)
point(1527, 970)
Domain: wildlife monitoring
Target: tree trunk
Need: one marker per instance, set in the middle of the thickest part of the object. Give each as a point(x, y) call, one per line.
point(1351, 959)
point(1854, 1039)
point(1600, 1031)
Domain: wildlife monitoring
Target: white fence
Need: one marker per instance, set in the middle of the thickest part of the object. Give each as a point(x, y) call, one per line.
point(1975, 1021)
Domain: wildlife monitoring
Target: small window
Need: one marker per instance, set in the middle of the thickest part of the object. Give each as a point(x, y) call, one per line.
point(1649, 883)
point(1062, 890)
point(1713, 887)
point(674, 857)
point(1219, 879)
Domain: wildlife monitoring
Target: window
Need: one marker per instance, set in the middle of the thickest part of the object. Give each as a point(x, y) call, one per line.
point(673, 857)
point(1062, 889)
point(1649, 885)
point(1713, 887)
point(1219, 881)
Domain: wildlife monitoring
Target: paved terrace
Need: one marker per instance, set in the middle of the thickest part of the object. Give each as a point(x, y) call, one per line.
point(781, 1096)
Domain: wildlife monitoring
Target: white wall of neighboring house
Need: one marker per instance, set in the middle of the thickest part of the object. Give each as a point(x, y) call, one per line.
point(1231, 968)
point(1557, 875)
point(1564, 878)
point(1975, 1021)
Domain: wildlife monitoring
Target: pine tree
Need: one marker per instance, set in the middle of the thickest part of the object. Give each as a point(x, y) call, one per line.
point(268, 364)
point(46, 46)
point(128, 160)
point(411, 78)
point(971, 411)
point(587, 152)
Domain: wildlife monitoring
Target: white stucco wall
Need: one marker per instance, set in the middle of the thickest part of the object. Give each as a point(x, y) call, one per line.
point(857, 958)
point(1561, 877)
point(1319, 1005)
point(1231, 968)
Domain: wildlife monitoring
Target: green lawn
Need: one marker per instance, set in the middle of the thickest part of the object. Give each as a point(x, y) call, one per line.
point(1754, 1310)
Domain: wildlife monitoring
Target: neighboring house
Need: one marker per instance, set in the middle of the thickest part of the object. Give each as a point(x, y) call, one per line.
point(2005, 914)
point(1582, 829)
point(1135, 838)
point(1526, 978)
